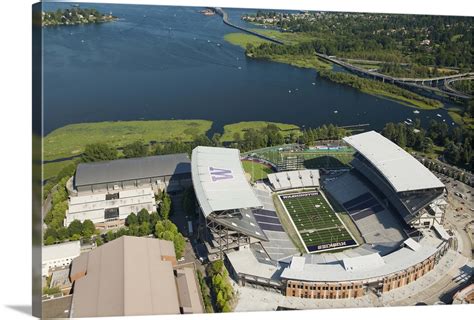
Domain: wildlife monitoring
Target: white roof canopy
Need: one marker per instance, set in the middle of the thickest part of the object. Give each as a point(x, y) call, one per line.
point(400, 169)
point(294, 179)
point(219, 180)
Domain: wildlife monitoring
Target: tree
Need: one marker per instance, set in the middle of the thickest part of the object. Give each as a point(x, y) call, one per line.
point(165, 206)
point(144, 229)
point(50, 232)
point(99, 241)
point(49, 241)
point(135, 149)
point(179, 244)
point(63, 234)
point(88, 228)
point(75, 228)
point(143, 216)
point(110, 236)
point(167, 230)
point(154, 218)
point(98, 152)
point(131, 220)
point(75, 237)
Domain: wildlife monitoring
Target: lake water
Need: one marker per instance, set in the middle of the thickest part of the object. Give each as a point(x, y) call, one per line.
point(173, 63)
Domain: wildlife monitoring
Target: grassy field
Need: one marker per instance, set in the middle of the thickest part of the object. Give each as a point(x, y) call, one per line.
point(71, 139)
point(301, 61)
point(287, 224)
point(418, 104)
point(52, 169)
point(315, 220)
point(318, 159)
point(241, 127)
point(242, 39)
point(286, 37)
point(258, 171)
point(459, 119)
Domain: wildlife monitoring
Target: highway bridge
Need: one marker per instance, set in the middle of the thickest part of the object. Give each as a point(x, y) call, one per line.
point(225, 18)
point(447, 84)
point(414, 83)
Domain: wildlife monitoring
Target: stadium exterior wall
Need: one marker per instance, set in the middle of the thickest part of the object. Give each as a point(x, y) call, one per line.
point(354, 289)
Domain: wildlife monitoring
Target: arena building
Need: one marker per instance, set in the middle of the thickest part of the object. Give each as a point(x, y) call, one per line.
point(107, 192)
point(392, 200)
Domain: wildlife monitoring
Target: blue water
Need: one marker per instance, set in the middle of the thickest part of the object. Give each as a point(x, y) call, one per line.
point(173, 63)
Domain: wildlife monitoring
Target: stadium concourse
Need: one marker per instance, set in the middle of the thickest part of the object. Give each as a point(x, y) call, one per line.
point(272, 232)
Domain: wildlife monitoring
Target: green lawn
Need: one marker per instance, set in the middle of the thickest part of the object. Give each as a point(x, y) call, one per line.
point(242, 39)
point(72, 139)
point(50, 170)
point(241, 127)
point(286, 37)
point(301, 61)
point(461, 120)
point(258, 171)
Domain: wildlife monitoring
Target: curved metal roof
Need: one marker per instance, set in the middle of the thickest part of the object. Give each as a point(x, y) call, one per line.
point(219, 180)
point(402, 171)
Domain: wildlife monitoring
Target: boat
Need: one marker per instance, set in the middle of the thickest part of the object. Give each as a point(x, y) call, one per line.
point(407, 123)
point(289, 91)
point(416, 112)
point(335, 111)
point(239, 67)
point(438, 115)
point(409, 120)
point(313, 83)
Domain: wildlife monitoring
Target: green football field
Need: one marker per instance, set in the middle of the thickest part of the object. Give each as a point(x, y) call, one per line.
point(317, 224)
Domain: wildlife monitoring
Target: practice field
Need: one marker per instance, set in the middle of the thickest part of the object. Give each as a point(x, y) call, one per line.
point(257, 170)
point(318, 225)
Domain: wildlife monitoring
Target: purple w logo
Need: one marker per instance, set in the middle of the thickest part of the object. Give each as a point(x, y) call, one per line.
point(220, 174)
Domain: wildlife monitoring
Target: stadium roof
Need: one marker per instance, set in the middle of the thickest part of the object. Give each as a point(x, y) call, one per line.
point(219, 180)
point(244, 261)
point(294, 179)
point(400, 169)
point(389, 264)
point(131, 169)
point(61, 251)
point(363, 262)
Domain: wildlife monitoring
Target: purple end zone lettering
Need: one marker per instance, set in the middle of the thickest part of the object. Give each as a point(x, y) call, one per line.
point(220, 174)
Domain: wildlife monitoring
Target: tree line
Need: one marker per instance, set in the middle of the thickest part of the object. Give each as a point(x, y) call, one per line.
point(456, 143)
point(424, 40)
point(329, 132)
point(221, 289)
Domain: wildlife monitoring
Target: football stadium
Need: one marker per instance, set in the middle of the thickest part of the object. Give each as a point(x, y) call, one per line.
point(374, 226)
